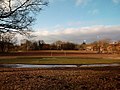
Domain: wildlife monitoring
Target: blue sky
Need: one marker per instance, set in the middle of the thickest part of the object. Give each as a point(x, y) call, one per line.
point(63, 19)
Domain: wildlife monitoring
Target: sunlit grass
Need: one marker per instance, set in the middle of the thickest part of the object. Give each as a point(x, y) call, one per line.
point(57, 60)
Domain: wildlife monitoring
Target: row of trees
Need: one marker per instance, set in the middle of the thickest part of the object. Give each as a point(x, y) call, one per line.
point(105, 46)
point(27, 45)
point(41, 45)
point(8, 42)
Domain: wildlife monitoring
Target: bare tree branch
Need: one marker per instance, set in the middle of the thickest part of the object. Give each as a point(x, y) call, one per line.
point(18, 15)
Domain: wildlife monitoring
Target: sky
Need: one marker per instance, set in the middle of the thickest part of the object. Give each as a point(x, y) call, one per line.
point(78, 20)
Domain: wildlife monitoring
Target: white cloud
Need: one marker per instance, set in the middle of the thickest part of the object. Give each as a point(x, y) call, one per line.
point(81, 2)
point(116, 1)
point(77, 35)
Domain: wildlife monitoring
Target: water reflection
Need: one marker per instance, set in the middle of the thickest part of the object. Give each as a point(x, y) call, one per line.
point(52, 66)
point(33, 66)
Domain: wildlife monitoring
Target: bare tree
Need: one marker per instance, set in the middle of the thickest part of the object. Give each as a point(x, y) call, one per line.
point(7, 41)
point(18, 15)
point(101, 45)
point(26, 45)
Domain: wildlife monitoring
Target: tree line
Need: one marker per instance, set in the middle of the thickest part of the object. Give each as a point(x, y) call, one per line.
point(8, 43)
point(41, 45)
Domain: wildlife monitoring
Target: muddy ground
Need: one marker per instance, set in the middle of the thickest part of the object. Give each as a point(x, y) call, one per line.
point(89, 78)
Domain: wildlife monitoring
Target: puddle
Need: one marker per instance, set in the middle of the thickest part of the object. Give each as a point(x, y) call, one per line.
point(32, 66)
point(52, 66)
point(99, 65)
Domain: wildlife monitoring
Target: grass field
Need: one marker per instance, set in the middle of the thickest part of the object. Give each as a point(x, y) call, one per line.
point(58, 57)
point(57, 60)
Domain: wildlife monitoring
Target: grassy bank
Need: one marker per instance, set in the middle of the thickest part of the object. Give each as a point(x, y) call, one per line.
point(57, 60)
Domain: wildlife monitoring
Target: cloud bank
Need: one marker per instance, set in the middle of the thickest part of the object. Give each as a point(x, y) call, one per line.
point(78, 35)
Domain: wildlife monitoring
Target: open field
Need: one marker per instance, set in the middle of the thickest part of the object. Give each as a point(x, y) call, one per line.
point(94, 78)
point(57, 60)
point(58, 57)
